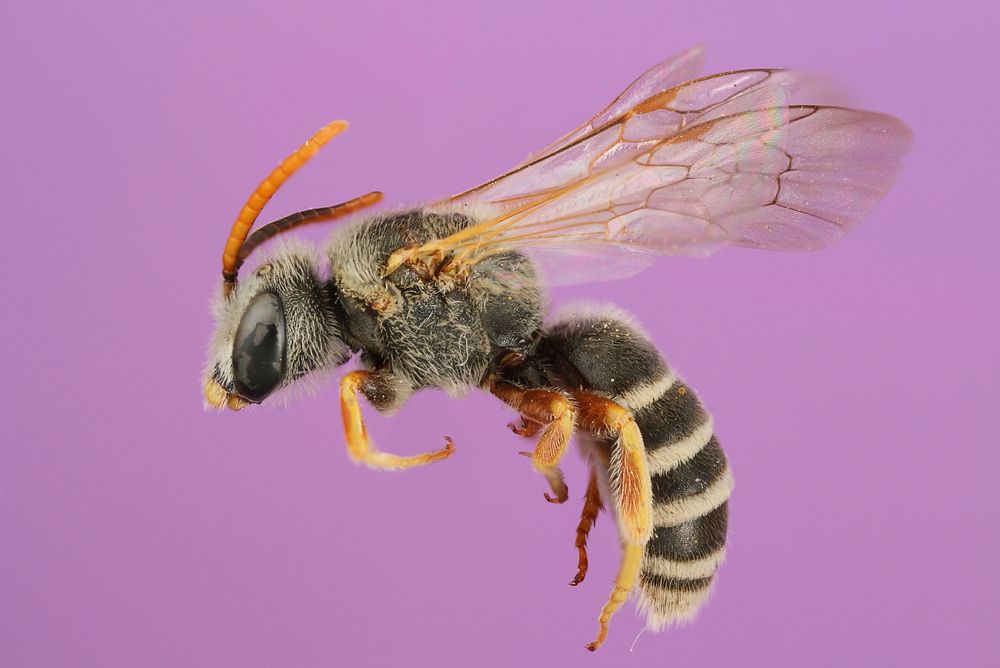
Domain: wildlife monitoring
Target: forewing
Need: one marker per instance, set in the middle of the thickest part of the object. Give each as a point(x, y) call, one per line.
point(721, 160)
point(657, 79)
point(841, 163)
point(628, 135)
point(781, 178)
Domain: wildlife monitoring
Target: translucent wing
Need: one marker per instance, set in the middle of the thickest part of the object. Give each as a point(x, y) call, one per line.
point(657, 79)
point(716, 161)
point(629, 133)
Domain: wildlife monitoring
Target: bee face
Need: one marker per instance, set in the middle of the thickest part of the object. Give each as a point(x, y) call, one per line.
point(274, 328)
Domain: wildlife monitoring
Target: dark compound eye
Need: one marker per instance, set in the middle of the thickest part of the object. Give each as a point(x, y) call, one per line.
point(259, 349)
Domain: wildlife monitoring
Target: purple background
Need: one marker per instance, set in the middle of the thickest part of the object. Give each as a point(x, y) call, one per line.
point(855, 390)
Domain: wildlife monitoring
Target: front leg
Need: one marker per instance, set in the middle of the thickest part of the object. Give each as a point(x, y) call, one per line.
point(557, 414)
point(378, 388)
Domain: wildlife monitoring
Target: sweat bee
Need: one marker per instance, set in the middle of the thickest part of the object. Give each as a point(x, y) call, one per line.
point(450, 296)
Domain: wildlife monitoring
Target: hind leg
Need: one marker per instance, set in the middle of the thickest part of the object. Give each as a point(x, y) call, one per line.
point(628, 472)
point(628, 575)
point(631, 492)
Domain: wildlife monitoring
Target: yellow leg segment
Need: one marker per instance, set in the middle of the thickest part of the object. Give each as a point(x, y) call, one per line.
point(629, 474)
point(359, 446)
point(631, 488)
point(628, 575)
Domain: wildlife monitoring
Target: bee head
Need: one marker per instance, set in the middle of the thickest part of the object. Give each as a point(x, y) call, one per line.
point(277, 325)
point(272, 329)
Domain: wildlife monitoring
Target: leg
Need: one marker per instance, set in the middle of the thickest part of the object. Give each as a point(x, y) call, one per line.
point(628, 575)
point(527, 428)
point(556, 413)
point(628, 473)
point(591, 507)
point(377, 388)
point(632, 491)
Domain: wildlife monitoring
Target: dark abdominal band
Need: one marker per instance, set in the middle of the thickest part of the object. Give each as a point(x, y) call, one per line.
point(690, 477)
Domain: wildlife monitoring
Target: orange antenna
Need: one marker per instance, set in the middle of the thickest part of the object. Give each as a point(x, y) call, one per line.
point(308, 217)
point(264, 191)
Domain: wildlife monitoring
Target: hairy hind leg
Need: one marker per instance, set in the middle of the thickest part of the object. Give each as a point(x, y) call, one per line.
point(378, 388)
point(631, 491)
point(628, 472)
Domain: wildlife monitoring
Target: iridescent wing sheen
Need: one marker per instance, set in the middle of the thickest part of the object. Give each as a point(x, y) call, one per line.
point(629, 134)
point(722, 160)
point(657, 79)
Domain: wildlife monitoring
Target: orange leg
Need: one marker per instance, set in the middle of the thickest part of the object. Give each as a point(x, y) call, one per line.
point(628, 473)
point(527, 428)
point(359, 446)
point(555, 414)
point(631, 490)
point(591, 507)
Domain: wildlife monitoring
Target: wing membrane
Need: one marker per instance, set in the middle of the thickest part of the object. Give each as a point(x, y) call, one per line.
point(722, 160)
point(657, 79)
point(629, 134)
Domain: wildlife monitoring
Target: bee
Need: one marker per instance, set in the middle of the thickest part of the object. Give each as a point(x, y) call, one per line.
point(450, 296)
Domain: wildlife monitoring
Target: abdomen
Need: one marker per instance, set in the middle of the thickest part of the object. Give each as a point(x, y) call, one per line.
point(604, 352)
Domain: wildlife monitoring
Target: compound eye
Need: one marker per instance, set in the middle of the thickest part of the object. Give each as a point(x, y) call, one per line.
point(259, 348)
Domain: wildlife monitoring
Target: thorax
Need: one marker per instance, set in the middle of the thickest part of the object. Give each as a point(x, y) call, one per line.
point(437, 332)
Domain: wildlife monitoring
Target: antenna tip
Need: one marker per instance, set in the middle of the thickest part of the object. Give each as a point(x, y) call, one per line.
point(329, 131)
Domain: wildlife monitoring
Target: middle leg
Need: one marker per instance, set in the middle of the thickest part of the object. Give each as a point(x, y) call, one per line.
point(556, 415)
point(591, 508)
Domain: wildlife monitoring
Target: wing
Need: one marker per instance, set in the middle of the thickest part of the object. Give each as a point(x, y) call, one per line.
point(628, 134)
point(722, 160)
point(657, 79)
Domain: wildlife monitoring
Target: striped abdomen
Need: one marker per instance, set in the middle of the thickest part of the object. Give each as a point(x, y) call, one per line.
point(691, 480)
point(691, 485)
